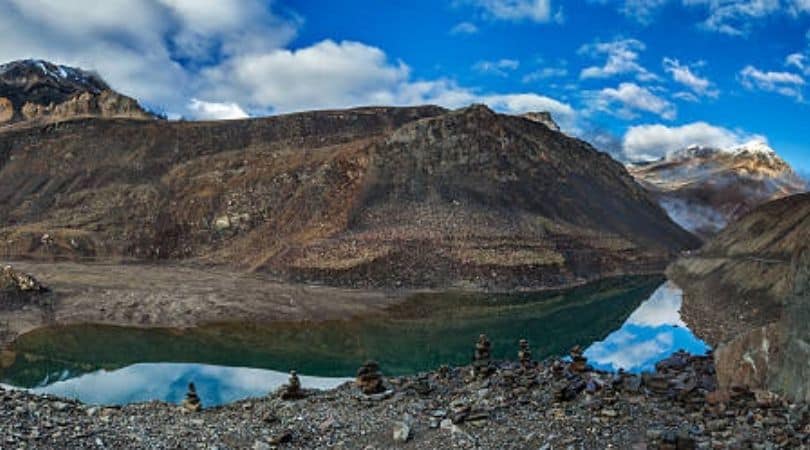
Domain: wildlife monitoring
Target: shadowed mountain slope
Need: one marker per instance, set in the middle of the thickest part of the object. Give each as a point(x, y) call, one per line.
point(366, 197)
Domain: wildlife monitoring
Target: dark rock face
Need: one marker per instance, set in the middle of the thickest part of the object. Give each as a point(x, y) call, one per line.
point(747, 293)
point(380, 197)
point(41, 92)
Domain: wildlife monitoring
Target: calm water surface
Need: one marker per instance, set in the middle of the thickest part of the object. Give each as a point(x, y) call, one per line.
point(628, 323)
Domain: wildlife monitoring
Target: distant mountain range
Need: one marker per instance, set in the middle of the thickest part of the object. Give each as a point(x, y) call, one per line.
point(703, 189)
point(34, 91)
point(383, 197)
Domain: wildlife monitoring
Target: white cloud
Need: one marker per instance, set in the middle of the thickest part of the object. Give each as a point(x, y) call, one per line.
point(500, 68)
point(651, 142)
point(642, 11)
point(135, 44)
point(325, 75)
point(216, 111)
point(783, 83)
point(735, 17)
point(799, 61)
point(628, 99)
point(464, 28)
point(684, 75)
point(622, 58)
point(545, 73)
point(515, 10)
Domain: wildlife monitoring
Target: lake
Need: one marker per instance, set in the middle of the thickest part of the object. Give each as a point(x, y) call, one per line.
point(629, 322)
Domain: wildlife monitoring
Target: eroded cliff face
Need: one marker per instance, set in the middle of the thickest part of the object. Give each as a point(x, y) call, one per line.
point(383, 197)
point(38, 92)
point(746, 292)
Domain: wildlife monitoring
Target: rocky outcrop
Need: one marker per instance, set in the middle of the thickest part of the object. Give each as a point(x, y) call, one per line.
point(704, 189)
point(543, 117)
point(369, 197)
point(18, 288)
point(747, 293)
point(38, 92)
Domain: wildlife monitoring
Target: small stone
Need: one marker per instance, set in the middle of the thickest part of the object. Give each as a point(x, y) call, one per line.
point(402, 432)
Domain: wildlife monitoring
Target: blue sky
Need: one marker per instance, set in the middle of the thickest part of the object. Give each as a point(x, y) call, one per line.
point(636, 77)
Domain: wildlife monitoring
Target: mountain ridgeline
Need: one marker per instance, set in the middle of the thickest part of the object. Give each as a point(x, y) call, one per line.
point(38, 92)
point(704, 189)
point(368, 197)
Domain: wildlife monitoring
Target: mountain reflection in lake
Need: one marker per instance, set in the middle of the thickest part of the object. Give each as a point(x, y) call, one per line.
point(112, 365)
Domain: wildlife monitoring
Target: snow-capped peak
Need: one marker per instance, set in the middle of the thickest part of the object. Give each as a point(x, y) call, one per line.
point(755, 146)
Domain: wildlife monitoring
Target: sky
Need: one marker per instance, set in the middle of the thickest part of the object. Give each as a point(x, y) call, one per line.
point(638, 78)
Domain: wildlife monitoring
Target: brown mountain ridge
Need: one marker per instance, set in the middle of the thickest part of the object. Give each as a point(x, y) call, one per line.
point(369, 197)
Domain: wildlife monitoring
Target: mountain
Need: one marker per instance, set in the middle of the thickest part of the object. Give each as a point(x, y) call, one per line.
point(703, 189)
point(383, 197)
point(747, 292)
point(33, 91)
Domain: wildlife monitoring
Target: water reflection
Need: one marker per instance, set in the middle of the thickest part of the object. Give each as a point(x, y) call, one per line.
point(630, 323)
point(654, 331)
point(216, 385)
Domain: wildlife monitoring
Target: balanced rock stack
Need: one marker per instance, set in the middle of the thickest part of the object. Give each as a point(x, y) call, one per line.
point(525, 355)
point(192, 401)
point(579, 363)
point(369, 379)
point(482, 365)
point(292, 390)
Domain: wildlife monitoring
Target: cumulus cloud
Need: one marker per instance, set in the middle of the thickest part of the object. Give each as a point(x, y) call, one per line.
point(464, 28)
point(652, 142)
point(621, 58)
point(325, 75)
point(137, 45)
point(515, 10)
point(214, 59)
point(500, 68)
point(783, 83)
point(628, 99)
point(684, 75)
point(216, 111)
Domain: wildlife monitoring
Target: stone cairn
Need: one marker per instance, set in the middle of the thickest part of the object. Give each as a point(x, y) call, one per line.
point(579, 363)
point(192, 401)
point(369, 379)
point(525, 355)
point(292, 390)
point(482, 365)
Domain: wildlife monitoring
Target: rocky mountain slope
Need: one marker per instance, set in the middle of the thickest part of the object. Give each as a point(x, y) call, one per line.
point(703, 189)
point(381, 197)
point(40, 92)
point(748, 291)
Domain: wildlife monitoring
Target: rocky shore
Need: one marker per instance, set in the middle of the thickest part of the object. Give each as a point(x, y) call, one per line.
point(521, 404)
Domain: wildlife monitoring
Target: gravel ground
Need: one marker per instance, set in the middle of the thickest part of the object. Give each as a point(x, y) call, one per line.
point(548, 406)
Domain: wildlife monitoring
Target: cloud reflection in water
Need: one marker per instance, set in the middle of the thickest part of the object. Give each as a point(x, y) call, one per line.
point(653, 332)
point(216, 385)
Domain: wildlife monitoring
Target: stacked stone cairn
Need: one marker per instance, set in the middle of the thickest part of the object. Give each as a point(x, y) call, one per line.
point(292, 390)
point(369, 379)
point(192, 401)
point(525, 355)
point(482, 364)
point(579, 363)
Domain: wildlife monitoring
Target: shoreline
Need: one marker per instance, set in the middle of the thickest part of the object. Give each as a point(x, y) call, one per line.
point(554, 404)
point(187, 296)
